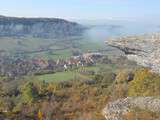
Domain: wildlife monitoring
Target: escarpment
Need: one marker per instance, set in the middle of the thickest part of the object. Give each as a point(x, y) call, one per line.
point(38, 27)
point(144, 49)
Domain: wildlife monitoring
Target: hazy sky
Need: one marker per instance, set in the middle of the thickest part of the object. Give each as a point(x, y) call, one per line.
point(83, 9)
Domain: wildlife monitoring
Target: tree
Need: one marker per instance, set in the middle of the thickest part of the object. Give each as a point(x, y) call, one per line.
point(108, 79)
point(40, 115)
point(28, 93)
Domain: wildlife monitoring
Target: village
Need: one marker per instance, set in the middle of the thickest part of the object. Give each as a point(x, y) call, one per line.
point(20, 66)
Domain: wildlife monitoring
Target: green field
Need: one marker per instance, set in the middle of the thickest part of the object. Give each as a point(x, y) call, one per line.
point(51, 48)
point(66, 75)
point(59, 76)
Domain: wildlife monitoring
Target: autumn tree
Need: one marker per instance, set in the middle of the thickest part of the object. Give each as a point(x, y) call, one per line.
point(145, 83)
point(28, 92)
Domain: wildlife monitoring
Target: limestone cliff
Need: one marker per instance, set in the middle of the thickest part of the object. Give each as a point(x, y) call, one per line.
point(116, 110)
point(144, 49)
point(38, 27)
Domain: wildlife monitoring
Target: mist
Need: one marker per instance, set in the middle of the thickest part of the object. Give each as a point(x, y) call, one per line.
point(100, 31)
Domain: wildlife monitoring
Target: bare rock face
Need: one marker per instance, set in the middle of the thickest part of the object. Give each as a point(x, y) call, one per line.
point(116, 110)
point(144, 49)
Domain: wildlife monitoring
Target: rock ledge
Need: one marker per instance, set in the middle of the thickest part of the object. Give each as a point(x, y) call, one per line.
point(144, 49)
point(116, 110)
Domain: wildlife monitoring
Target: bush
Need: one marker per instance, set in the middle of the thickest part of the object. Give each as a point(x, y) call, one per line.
point(137, 114)
point(145, 83)
point(124, 76)
point(108, 79)
point(29, 93)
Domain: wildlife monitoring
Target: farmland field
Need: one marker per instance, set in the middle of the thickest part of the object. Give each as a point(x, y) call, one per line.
point(48, 48)
point(66, 75)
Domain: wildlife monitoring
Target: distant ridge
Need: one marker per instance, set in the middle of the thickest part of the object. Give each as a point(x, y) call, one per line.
point(38, 27)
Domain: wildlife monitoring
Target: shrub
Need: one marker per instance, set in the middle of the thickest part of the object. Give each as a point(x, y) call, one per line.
point(117, 91)
point(28, 93)
point(137, 114)
point(124, 76)
point(145, 83)
point(108, 79)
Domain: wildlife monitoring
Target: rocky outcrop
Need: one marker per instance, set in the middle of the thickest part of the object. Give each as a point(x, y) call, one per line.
point(116, 110)
point(144, 49)
point(38, 27)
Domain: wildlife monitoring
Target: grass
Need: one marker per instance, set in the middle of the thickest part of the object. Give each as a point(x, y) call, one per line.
point(59, 76)
point(14, 45)
point(94, 68)
point(66, 75)
point(92, 46)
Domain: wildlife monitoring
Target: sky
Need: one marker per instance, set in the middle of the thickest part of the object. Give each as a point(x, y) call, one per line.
point(83, 9)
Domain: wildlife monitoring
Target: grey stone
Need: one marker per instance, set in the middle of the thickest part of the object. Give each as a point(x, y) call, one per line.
point(144, 49)
point(117, 109)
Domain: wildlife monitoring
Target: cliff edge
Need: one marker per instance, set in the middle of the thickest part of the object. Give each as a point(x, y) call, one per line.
point(144, 49)
point(38, 27)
